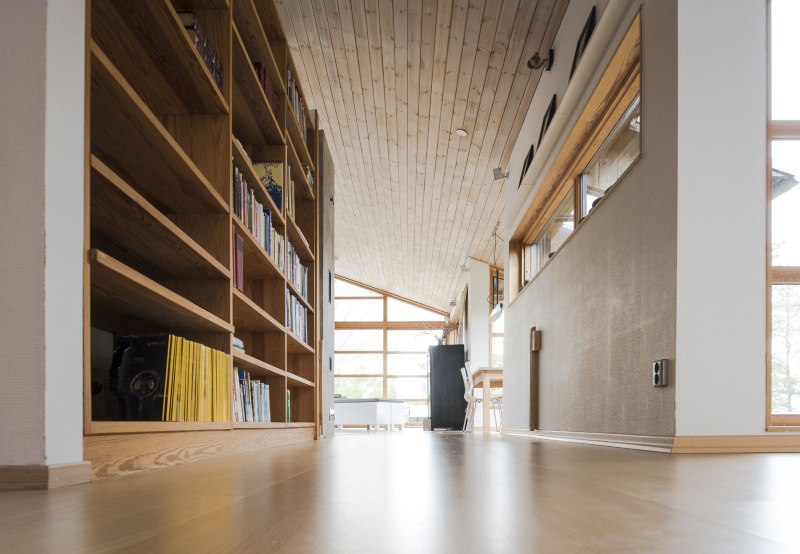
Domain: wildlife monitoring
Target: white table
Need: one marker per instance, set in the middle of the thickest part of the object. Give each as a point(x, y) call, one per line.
point(370, 412)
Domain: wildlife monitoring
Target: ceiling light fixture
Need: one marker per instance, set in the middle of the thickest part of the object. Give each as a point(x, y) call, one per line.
point(537, 62)
point(461, 132)
point(499, 174)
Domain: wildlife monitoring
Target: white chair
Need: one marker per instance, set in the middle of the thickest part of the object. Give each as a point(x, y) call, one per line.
point(469, 416)
point(497, 408)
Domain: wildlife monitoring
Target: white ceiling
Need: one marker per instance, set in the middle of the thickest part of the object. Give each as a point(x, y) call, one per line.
point(392, 81)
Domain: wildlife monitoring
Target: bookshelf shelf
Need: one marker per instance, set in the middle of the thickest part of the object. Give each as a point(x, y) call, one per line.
point(130, 138)
point(255, 366)
point(258, 425)
point(299, 296)
point(299, 424)
point(297, 169)
point(181, 83)
point(124, 221)
point(296, 380)
point(253, 118)
point(120, 427)
point(248, 316)
point(125, 299)
point(242, 162)
point(257, 263)
point(298, 240)
point(296, 345)
point(255, 40)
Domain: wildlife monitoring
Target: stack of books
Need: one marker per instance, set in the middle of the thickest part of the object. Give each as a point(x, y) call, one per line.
point(256, 218)
point(266, 85)
point(296, 272)
point(250, 398)
point(298, 104)
point(203, 45)
point(296, 316)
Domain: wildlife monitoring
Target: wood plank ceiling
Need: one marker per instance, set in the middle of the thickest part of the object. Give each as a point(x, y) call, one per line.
point(392, 81)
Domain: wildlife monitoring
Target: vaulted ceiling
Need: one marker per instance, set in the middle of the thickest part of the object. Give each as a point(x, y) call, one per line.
point(392, 81)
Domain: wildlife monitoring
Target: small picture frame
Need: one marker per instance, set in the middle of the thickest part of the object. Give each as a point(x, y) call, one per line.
point(583, 40)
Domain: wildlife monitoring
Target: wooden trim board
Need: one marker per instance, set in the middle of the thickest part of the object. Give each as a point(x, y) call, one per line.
point(730, 444)
point(113, 455)
point(38, 477)
point(634, 442)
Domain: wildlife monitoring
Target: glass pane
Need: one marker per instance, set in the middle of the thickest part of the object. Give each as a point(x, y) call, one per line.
point(407, 364)
point(785, 202)
point(785, 349)
point(402, 311)
point(343, 288)
point(497, 351)
point(408, 387)
point(784, 23)
point(358, 387)
point(616, 155)
point(358, 364)
point(366, 339)
point(412, 341)
point(498, 325)
point(556, 231)
point(359, 310)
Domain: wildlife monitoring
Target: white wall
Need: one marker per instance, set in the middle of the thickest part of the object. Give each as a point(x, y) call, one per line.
point(478, 325)
point(41, 231)
point(721, 292)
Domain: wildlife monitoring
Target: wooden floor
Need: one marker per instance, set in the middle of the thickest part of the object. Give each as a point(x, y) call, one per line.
point(420, 492)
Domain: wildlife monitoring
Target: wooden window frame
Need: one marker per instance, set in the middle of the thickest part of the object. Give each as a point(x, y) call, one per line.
point(385, 326)
point(776, 275)
point(616, 89)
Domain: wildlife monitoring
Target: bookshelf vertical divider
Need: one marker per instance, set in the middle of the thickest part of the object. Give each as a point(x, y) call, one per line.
point(189, 113)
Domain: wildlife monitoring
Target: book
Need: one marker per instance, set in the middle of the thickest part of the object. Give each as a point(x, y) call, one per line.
point(250, 398)
point(200, 40)
point(238, 261)
point(238, 344)
point(271, 176)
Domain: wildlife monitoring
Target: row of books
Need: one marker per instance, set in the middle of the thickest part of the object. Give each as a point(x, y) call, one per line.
point(203, 45)
point(298, 103)
point(250, 398)
point(238, 260)
point(296, 272)
point(169, 378)
point(290, 200)
point(256, 218)
point(267, 86)
point(296, 316)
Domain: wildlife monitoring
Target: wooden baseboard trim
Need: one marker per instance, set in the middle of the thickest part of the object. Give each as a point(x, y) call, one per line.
point(730, 444)
point(120, 454)
point(633, 442)
point(42, 477)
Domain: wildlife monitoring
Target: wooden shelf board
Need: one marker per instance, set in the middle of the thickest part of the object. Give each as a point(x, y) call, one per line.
point(297, 168)
point(255, 41)
point(295, 344)
point(298, 240)
point(248, 316)
point(297, 381)
point(254, 365)
point(124, 218)
point(124, 296)
point(181, 82)
point(298, 424)
point(243, 163)
point(119, 427)
point(124, 128)
point(296, 138)
point(257, 263)
point(300, 297)
point(253, 118)
point(258, 425)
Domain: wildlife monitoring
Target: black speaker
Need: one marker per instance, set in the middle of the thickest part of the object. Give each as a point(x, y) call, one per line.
point(660, 373)
point(137, 378)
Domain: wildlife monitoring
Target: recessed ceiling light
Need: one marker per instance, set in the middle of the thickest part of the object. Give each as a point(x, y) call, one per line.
point(461, 132)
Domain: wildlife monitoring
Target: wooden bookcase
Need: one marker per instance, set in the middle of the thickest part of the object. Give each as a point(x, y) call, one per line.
point(163, 138)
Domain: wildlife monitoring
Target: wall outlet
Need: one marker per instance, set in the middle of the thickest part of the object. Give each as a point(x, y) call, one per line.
point(331, 415)
point(660, 373)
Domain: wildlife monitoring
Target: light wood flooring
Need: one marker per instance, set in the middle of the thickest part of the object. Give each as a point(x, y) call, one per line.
point(417, 492)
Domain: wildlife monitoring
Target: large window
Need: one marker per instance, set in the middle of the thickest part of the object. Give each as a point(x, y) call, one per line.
point(784, 223)
point(381, 347)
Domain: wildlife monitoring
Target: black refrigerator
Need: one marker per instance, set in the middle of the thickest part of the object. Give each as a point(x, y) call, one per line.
point(447, 387)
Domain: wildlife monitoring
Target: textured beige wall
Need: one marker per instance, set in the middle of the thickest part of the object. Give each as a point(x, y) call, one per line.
point(606, 302)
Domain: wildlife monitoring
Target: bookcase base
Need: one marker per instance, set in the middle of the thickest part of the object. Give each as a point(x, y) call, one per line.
point(39, 477)
point(120, 454)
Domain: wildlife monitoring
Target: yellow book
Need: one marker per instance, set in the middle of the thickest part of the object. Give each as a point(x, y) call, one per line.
point(167, 383)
